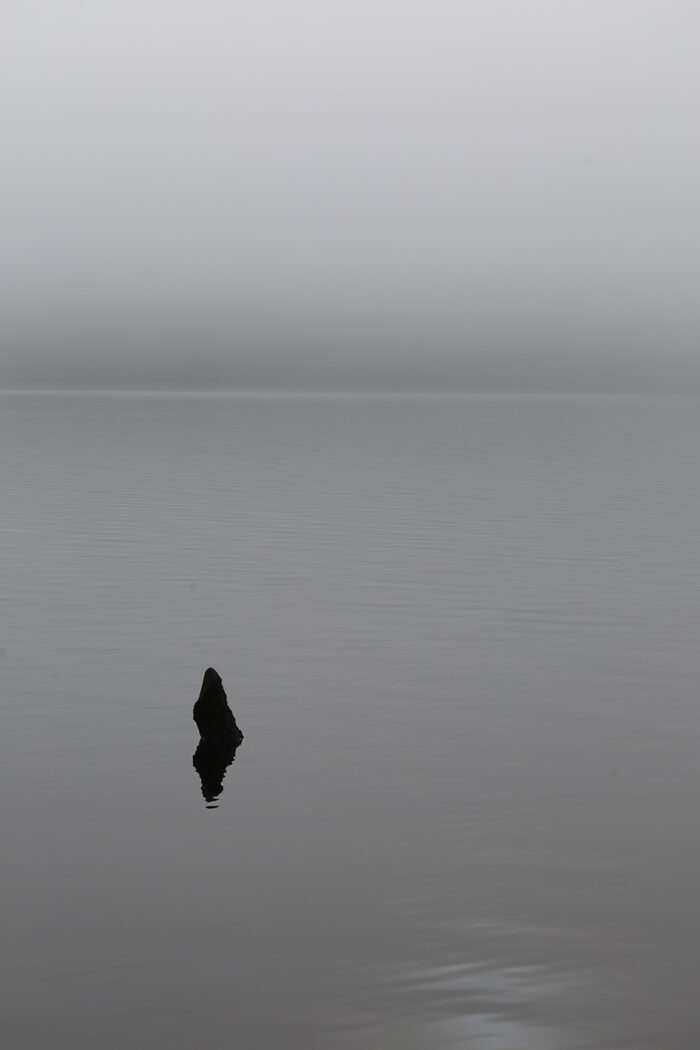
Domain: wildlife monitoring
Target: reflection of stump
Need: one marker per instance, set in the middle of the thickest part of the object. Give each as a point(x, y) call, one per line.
point(212, 714)
point(211, 760)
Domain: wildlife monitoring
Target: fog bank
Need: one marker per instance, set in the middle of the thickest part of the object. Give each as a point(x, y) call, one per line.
point(357, 195)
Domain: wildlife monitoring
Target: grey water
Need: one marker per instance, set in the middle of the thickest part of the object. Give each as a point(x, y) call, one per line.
point(462, 639)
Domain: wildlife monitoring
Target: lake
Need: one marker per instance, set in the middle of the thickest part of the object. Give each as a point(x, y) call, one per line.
point(461, 637)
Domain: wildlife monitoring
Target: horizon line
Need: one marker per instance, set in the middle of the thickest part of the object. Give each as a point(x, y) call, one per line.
point(271, 393)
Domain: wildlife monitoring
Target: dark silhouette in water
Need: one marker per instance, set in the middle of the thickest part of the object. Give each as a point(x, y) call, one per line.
point(212, 714)
point(211, 760)
point(219, 732)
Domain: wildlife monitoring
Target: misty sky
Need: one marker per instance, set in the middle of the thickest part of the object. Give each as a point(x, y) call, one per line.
point(349, 193)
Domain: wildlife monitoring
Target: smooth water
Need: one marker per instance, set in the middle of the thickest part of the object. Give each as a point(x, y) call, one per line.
point(462, 638)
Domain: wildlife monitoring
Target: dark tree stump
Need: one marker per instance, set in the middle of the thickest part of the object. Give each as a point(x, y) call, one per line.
point(212, 714)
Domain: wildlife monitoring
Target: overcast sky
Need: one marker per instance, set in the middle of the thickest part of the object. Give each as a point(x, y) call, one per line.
point(349, 192)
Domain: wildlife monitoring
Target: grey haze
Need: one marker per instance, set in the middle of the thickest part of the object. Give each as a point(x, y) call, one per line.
point(385, 194)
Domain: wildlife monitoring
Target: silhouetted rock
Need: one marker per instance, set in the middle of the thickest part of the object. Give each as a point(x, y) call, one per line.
point(211, 760)
point(212, 714)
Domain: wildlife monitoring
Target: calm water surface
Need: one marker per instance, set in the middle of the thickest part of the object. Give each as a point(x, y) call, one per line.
point(462, 639)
